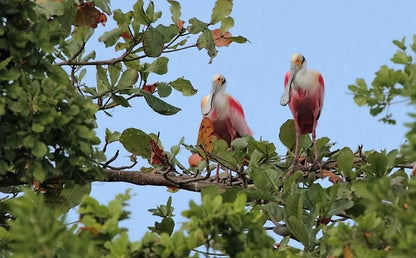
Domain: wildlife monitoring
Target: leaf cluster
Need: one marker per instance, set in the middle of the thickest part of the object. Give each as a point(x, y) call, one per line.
point(390, 86)
point(46, 128)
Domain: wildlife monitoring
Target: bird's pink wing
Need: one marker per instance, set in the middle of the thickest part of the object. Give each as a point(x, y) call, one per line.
point(286, 78)
point(321, 91)
point(237, 119)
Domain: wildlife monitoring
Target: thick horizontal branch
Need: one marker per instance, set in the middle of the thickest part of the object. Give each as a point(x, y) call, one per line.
point(143, 178)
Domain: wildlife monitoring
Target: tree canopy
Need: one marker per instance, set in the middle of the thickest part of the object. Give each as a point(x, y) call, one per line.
point(50, 153)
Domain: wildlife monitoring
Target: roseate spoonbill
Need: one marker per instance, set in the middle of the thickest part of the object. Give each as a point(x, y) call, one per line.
point(304, 91)
point(225, 113)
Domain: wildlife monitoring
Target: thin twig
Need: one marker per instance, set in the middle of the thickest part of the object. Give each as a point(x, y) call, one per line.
point(102, 62)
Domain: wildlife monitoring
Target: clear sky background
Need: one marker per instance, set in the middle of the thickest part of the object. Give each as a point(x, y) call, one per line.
point(344, 40)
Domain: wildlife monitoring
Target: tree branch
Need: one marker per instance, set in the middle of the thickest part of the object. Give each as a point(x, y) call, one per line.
point(143, 178)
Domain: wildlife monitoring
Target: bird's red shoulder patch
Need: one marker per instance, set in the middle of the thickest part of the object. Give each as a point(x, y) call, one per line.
point(287, 78)
point(234, 104)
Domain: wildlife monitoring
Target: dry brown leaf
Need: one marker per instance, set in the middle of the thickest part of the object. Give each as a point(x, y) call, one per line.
point(413, 170)
point(221, 40)
point(88, 15)
point(93, 230)
point(179, 24)
point(125, 35)
point(156, 154)
point(348, 252)
point(172, 189)
point(38, 188)
point(334, 178)
point(205, 134)
point(150, 88)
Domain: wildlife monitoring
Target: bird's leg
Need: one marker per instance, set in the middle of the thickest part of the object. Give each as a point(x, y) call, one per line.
point(296, 158)
point(317, 161)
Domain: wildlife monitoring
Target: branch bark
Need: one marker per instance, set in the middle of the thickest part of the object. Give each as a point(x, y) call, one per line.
point(143, 178)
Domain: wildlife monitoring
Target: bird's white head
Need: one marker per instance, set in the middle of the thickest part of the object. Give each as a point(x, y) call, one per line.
point(218, 88)
point(297, 63)
point(219, 82)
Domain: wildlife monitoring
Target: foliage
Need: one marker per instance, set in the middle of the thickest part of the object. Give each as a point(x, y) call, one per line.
point(360, 203)
point(392, 86)
point(47, 128)
point(39, 231)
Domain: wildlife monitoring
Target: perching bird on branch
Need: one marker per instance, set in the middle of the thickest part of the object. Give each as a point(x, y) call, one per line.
point(225, 113)
point(304, 91)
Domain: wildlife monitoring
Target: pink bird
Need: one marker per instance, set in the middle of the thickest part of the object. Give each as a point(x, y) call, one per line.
point(304, 91)
point(225, 113)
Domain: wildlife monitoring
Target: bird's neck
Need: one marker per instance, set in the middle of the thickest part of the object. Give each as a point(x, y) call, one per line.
point(303, 78)
point(220, 98)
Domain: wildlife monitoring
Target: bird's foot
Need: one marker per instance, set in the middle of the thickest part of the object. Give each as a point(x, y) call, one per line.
point(317, 165)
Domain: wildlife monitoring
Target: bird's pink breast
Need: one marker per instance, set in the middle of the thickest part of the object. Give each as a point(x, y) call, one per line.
point(305, 108)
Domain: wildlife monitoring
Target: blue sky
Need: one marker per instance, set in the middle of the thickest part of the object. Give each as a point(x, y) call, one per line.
point(344, 40)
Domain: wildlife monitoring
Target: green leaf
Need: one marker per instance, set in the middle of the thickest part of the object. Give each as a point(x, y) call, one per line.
point(111, 37)
point(339, 206)
point(400, 44)
point(153, 42)
point(287, 134)
point(168, 32)
point(206, 41)
point(196, 26)
point(114, 71)
point(90, 56)
point(175, 10)
point(151, 14)
point(111, 136)
point(72, 194)
point(183, 86)
point(226, 24)
point(102, 80)
point(128, 78)
point(39, 172)
point(166, 226)
point(51, 8)
point(136, 141)
point(159, 66)
point(221, 10)
point(391, 158)
point(378, 163)
point(104, 5)
point(39, 149)
point(360, 100)
point(298, 229)
point(120, 17)
point(289, 182)
point(37, 128)
point(400, 58)
point(159, 105)
point(139, 14)
point(210, 191)
point(5, 62)
point(163, 89)
point(120, 100)
point(345, 160)
point(238, 39)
